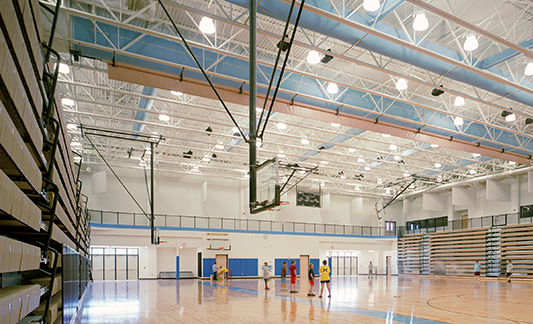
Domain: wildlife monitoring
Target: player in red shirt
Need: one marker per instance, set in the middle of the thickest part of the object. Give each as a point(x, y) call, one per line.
point(292, 269)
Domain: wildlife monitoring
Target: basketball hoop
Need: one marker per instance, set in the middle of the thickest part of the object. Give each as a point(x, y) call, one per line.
point(279, 212)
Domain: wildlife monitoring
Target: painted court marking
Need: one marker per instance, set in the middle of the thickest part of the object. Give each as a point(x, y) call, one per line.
point(359, 311)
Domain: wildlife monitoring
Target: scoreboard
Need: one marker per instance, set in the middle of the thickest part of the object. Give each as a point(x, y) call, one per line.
point(308, 198)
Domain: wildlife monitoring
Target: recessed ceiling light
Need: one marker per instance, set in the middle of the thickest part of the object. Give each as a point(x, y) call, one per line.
point(332, 88)
point(207, 26)
point(304, 141)
point(281, 126)
point(176, 93)
point(421, 22)
point(164, 117)
point(393, 147)
point(475, 154)
point(458, 121)
point(397, 157)
point(459, 101)
point(313, 57)
point(438, 165)
point(351, 150)
point(219, 147)
point(360, 160)
point(470, 43)
point(67, 102)
point(385, 135)
point(434, 145)
point(368, 168)
point(401, 84)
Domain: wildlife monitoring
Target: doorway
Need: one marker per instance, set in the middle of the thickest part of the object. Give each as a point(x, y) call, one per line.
point(304, 267)
point(199, 265)
point(344, 263)
point(222, 260)
point(464, 221)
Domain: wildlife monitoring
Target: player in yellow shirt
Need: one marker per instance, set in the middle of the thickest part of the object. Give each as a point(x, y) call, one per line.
point(324, 278)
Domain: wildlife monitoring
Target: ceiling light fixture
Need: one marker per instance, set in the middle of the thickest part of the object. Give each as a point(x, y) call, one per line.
point(434, 145)
point(313, 57)
point(528, 70)
point(304, 141)
point(281, 155)
point(281, 126)
point(368, 168)
point(509, 116)
point(458, 121)
point(357, 188)
point(207, 26)
point(470, 43)
point(472, 171)
point(335, 125)
point(164, 117)
point(361, 160)
point(343, 177)
point(512, 162)
point(385, 135)
point(438, 165)
point(63, 68)
point(459, 101)
point(397, 157)
point(421, 22)
point(371, 5)
point(332, 88)
point(387, 191)
point(406, 174)
point(437, 92)
point(393, 147)
point(475, 154)
point(67, 102)
point(219, 147)
point(259, 143)
point(176, 93)
point(324, 162)
point(401, 84)
point(351, 150)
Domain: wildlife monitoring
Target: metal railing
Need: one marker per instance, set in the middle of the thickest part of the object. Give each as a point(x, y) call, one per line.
point(475, 222)
point(181, 221)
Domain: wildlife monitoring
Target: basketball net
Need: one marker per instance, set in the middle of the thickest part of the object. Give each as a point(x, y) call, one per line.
point(279, 213)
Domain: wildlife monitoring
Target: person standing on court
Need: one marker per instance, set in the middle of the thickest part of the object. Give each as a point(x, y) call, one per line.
point(292, 270)
point(284, 276)
point(266, 274)
point(311, 280)
point(324, 278)
point(215, 270)
point(509, 271)
point(477, 271)
point(370, 270)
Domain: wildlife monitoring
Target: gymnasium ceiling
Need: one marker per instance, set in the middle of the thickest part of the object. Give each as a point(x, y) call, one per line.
point(363, 138)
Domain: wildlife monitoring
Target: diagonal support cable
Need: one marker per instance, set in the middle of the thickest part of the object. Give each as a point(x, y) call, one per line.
point(277, 61)
point(116, 176)
point(202, 69)
point(283, 68)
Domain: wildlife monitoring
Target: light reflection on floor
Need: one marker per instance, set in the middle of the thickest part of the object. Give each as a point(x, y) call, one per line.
point(354, 299)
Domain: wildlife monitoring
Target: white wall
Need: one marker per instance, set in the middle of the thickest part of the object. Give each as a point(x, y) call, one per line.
point(181, 195)
point(266, 247)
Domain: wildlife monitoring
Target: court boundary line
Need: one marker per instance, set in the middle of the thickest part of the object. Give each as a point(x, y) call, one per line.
point(393, 317)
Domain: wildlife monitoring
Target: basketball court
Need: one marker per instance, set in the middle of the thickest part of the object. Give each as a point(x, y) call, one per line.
point(355, 299)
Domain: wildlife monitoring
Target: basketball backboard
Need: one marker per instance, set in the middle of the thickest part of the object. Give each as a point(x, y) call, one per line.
point(267, 186)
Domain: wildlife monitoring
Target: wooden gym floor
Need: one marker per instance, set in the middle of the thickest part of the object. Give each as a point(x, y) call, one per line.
point(355, 299)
